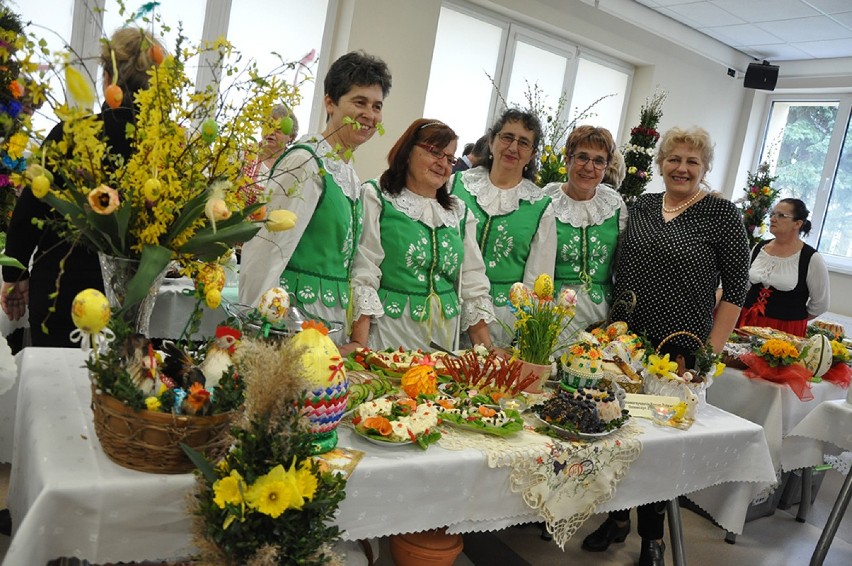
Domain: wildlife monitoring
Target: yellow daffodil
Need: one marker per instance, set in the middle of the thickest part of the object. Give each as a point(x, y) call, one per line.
point(661, 366)
point(308, 482)
point(562, 170)
point(548, 149)
point(152, 403)
point(839, 352)
point(718, 368)
point(280, 220)
point(103, 200)
point(543, 287)
point(229, 490)
point(276, 492)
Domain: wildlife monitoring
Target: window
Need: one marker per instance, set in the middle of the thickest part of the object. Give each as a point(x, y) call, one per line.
point(472, 48)
point(254, 26)
point(808, 145)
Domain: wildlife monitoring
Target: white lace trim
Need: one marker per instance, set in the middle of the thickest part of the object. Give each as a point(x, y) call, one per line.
point(365, 301)
point(414, 206)
point(343, 173)
point(478, 183)
point(581, 214)
point(474, 310)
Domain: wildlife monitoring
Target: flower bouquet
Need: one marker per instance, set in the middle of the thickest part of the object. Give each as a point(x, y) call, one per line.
point(778, 361)
point(267, 501)
point(840, 372)
point(755, 204)
point(177, 196)
point(539, 322)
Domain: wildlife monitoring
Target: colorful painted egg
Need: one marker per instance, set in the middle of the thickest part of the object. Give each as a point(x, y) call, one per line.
point(274, 305)
point(90, 311)
point(817, 357)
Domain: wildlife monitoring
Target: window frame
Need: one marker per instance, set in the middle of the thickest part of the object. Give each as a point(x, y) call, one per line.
point(829, 171)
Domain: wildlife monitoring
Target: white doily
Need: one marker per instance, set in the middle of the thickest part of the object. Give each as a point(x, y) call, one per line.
point(842, 463)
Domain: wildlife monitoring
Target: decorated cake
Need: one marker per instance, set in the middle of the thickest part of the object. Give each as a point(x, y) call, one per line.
point(582, 364)
point(587, 410)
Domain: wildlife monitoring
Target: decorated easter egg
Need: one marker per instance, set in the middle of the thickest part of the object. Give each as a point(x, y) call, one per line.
point(286, 125)
point(274, 305)
point(817, 356)
point(209, 130)
point(90, 311)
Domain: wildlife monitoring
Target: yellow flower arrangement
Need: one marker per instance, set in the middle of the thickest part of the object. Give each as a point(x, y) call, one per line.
point(778, 352)
point(539, 319)
point(176, 197)
point(839, 352)
point(662, 366)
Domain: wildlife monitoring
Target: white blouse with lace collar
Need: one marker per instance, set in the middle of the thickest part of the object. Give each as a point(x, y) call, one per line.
point(592, 212)
point(427, 210)
point(495, 200)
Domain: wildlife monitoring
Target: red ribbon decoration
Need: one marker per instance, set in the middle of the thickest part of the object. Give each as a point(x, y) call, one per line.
point(796, 376)
point(840, 374)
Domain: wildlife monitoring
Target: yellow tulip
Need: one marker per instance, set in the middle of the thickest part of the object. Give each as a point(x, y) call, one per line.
point(280, 220)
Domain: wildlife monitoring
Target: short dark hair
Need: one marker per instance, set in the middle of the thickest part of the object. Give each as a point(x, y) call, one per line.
point(800, 212)
point(421, 130)
point(480, 148)
point(530, 122)
point(468, 147)
point(356, 68)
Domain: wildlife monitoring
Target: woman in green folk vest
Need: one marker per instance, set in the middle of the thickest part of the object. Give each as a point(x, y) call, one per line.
point(515, 227)
point(316, 181)
point(418, 275)
point(589, 218)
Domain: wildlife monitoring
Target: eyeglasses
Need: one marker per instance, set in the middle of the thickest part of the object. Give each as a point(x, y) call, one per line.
point(438, 153)
point(779, 215)
point(509, 139)
point(582, 159)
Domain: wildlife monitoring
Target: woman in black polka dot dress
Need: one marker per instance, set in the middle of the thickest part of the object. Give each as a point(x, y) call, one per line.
point(678, 246)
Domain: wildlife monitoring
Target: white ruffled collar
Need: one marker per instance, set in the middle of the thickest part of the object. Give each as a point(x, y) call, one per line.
point(582, 213)
point(478, 183)
point(416, 206)
point(343, 173)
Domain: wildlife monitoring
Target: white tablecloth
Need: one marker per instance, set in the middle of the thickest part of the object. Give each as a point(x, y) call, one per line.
point(68, 499)
point(775, 407)
point(831, 422)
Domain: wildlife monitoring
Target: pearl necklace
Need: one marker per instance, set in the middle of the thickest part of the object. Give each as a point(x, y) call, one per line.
point(682, 206)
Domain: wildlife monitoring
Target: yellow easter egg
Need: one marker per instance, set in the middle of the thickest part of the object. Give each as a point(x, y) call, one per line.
point(90, 311)
point(321, 359)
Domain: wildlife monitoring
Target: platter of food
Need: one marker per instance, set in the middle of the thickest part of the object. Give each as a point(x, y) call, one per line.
point(469, 415)
point(397, 421)
point(393, 363)
point(584, 414)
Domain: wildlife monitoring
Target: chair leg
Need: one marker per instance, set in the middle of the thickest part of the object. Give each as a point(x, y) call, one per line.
point(833, 522)
point(676, 532)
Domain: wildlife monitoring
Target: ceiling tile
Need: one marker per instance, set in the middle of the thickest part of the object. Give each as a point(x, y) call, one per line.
point(826, 49)
point(649, 3)
point(743, 34)
point(708, 14)
point(806, 29)
point(676, 2)
point(682, 19)
point(777, 53)
point(831, 6)
point(767, 10)
point(844, 18)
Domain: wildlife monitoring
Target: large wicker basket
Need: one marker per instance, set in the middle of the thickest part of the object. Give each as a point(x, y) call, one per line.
point(149, 441)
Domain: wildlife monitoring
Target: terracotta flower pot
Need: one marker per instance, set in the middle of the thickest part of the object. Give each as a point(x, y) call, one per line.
point(429, 548)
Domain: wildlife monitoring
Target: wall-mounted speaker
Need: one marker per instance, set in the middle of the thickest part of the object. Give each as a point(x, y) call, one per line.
point(762, 76)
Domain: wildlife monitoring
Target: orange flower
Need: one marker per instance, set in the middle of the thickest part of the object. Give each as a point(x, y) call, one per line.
point(379, 424)
point(103, 200)
point(16, 88)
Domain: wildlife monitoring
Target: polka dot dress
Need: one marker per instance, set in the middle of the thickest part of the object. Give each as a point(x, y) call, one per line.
point(675, 267)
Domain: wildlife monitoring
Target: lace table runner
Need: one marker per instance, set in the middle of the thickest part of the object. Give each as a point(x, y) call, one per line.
point(563, 480)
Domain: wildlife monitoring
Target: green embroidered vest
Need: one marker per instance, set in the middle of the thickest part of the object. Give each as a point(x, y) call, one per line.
point(321, 262)
point(505, 240)
point(420, 262)
point(584, 256)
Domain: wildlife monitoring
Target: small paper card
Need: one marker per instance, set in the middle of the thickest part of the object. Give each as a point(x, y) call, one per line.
point(340, 460)
point(641, 405)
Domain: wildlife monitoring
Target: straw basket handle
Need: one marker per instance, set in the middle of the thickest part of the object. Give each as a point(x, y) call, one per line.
point(679, 333)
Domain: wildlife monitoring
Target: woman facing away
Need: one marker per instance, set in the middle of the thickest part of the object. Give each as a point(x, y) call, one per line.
point(57, 266)
point(316, 180)
point(789, 279)
point(515, 226)
point(677, 246)
point(418, 275)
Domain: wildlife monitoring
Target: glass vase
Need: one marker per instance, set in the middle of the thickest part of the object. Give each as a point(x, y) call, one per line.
point(117, 273)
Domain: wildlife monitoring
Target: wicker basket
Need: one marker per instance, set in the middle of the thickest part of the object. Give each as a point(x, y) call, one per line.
point(693, 394)
point(149, 441)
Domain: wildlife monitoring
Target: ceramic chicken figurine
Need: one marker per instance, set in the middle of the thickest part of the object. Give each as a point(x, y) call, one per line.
point(141, 363)
point(218, 358)
point(179, 369)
